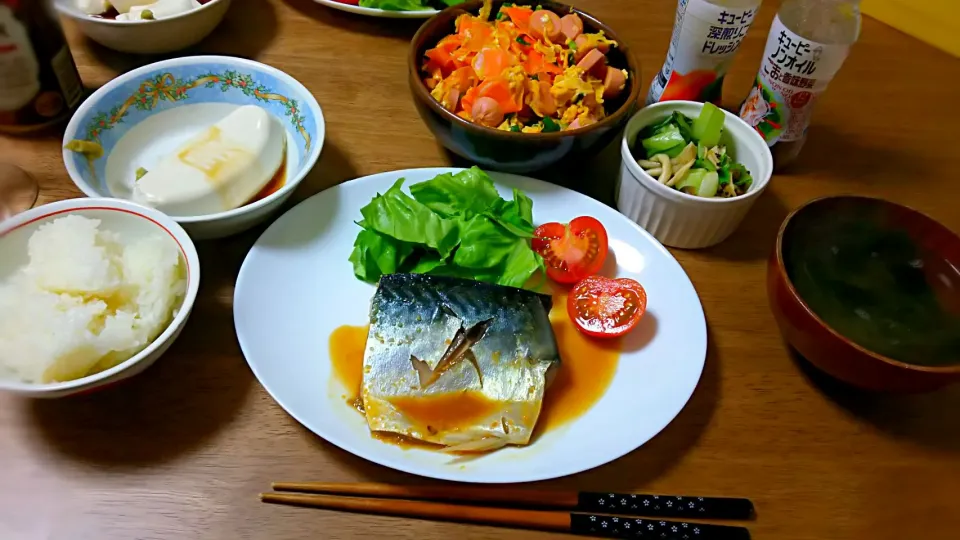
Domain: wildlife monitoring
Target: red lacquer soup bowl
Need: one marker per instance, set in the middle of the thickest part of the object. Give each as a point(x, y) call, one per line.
point(869, 292)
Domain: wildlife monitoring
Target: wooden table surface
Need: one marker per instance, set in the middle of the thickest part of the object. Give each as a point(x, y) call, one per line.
point(182, 451)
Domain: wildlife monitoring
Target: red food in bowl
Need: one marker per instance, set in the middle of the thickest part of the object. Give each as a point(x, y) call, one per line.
point(839, 319)
point(505, 150)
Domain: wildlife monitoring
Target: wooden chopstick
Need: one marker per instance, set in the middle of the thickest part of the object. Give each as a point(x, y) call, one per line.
point(633, 504)
point(591, 524)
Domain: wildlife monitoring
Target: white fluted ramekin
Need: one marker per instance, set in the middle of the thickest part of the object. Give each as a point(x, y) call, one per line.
point(677, 219)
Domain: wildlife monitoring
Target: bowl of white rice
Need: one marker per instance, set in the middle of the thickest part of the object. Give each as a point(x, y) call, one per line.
point(92, 292)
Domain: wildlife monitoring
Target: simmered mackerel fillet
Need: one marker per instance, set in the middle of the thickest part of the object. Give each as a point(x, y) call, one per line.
point(455, 362)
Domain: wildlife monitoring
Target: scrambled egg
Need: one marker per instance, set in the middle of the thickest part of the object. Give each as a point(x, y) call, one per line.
point(569, 85)
point(599, 39)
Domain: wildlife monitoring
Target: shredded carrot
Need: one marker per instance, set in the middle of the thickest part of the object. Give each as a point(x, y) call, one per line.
point(499, 91)
point(520, 15)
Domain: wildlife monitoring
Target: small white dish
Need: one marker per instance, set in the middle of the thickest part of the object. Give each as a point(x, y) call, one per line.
point(146, 113)
point(375, 12)
point(296, 286)
point(131, 221)
point(149, 37)
point(678, 219)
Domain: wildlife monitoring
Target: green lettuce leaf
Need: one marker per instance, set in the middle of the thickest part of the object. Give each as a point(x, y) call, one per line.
point(426, 263)
point(520, 265)
point(400, 216)
point(375, 254)
point(516, 216)
point(483, 244)
point(452, 225)
point(464, 194)
point(397, 5)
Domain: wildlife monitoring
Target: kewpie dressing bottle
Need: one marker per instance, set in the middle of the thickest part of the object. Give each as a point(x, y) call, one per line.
point(808, 42)
point(706, 36)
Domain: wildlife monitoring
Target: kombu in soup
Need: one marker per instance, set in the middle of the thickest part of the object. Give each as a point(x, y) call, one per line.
point(872, 283)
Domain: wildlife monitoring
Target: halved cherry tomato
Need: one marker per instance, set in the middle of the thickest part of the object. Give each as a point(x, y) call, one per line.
point(573, 251)
point(606, 308)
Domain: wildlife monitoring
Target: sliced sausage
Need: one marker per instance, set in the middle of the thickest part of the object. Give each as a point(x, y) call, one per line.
point(590, 101)
point(548, 105)
point(487, 112)
point(584, 46)
point(545, 24)
point(614, 82)
point(593, 62)
point(571, 25)
point(576, 124)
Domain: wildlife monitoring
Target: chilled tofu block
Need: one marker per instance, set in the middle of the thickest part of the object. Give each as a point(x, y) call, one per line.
point(220, 169)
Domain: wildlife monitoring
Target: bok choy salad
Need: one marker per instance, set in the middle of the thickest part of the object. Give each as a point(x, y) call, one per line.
point(687, 155)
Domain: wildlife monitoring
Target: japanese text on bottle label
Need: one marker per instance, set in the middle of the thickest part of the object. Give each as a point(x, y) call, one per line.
point(705, 38)
point(793, 72)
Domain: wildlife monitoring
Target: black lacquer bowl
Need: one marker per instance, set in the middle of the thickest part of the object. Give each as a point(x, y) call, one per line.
point(509, 151)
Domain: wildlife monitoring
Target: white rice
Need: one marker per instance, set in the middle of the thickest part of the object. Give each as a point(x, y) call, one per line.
point(85, 302)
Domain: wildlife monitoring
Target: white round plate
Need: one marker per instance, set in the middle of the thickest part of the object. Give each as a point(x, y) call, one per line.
point(296, 286)
point(374, 12)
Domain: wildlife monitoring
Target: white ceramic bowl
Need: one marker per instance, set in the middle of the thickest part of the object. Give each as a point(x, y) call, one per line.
point(130, 221)
point(677, 219)
point(146, 113)
point(149, 37)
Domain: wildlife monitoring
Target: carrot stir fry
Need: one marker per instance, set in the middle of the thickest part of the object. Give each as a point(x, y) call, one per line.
point(526, 70)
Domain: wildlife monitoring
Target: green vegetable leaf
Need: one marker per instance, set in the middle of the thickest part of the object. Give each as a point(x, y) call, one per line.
point(549, 125)
point(667, 138)
point(708, 126)
point(520, 265)
point(426, 263)
point(483, 244)
point(516, 216)
point(489, 275)
point(650, 131)
point(375, 254)
point(692, 181)
point(525, 206)
point(397, 5)
point(741, 176)
point(453, 225)
point(684, 125)
point(464, 194)
point(704, 164)
point(402, 217)
point(724, 176)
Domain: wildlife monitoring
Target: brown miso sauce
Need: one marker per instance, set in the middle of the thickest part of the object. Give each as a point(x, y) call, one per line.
point(347, 344)
point(445, 412)
point(278, 181)
point(586, 370)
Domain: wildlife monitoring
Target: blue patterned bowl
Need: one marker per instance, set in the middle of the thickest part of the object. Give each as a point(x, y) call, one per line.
point(149, 111)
